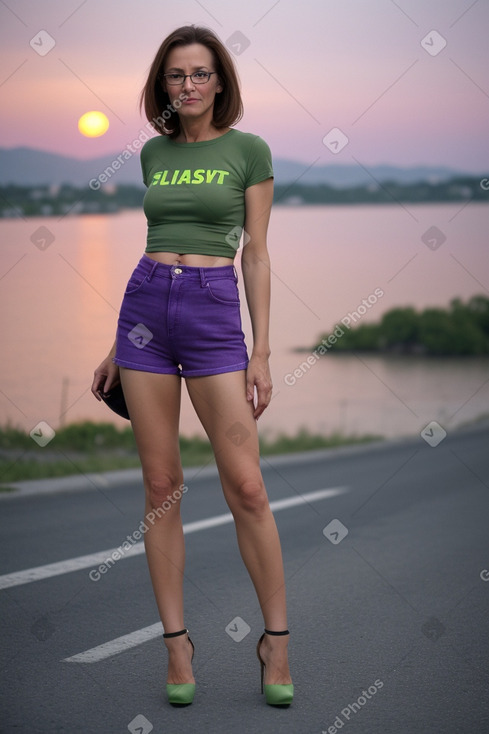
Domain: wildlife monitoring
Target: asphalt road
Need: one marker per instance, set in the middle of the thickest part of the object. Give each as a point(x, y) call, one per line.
point(389, 620)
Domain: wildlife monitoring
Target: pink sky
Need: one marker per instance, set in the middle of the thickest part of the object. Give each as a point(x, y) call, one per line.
point(309, 67)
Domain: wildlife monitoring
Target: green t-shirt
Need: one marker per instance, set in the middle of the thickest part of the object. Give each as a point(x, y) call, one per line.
point(195, 202)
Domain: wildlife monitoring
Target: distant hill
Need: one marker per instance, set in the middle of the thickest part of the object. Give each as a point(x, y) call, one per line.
point(29, 166)
point(347, 175)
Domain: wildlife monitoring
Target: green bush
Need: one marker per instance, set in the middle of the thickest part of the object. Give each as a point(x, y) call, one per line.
point(462, 329)
point(88, 447)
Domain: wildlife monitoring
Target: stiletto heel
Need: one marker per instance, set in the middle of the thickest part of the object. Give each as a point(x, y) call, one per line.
point(180, 694)
point(275, 694)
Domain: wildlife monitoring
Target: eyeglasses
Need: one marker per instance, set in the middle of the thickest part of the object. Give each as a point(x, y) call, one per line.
point(198, 77)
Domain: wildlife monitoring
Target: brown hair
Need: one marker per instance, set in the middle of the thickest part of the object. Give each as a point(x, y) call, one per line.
point(228, 106)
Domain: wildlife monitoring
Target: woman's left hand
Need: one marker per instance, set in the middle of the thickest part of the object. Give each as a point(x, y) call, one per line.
point(258, 374)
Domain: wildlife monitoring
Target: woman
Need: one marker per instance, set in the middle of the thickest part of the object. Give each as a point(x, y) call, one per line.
point(180, 317)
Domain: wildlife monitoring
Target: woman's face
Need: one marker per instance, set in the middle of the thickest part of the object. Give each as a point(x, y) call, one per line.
point(192, 101)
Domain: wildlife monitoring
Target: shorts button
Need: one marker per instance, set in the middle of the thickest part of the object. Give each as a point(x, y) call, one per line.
point(178, 271)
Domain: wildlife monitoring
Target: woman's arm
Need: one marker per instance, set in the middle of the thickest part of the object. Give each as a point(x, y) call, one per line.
point(255, 264)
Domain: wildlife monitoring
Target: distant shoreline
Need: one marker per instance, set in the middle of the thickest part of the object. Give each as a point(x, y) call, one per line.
point(61, 200)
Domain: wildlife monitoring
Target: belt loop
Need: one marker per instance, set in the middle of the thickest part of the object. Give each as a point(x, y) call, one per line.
point(203, 280)
point(152, 271)
point(235, 273)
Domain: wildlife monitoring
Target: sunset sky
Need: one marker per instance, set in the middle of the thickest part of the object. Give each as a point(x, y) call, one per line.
point(305, 67)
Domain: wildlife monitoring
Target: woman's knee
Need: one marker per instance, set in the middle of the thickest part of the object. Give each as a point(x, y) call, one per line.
point(250, 495)
point(163, 490)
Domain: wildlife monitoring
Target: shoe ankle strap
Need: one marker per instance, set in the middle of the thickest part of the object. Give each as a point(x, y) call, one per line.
point(283, 632)
point(174, 634)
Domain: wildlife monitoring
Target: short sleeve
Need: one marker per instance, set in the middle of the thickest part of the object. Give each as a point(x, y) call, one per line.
point(147, 156)
point(142, 158)
point(259, 166)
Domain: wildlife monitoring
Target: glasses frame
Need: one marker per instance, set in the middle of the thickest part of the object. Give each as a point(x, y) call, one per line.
point(176, 84)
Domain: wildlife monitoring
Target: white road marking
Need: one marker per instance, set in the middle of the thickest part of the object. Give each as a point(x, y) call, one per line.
point(71, 564)
point(96, 559)
point(120, 644)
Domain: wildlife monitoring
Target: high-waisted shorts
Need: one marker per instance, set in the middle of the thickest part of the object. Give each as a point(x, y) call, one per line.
point(181, 320)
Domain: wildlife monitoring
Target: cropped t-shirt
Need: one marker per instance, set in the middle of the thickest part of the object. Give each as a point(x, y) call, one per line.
point(195, 199)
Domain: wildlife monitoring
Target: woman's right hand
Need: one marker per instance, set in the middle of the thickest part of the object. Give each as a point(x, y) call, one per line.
point(105, 377)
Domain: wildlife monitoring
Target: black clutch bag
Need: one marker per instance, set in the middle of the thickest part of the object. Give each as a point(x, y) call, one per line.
point(116, 401)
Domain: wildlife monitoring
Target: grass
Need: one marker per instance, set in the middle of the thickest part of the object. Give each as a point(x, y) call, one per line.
point(83, 448)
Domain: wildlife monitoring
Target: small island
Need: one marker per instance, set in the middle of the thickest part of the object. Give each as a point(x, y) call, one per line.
point(461, 329)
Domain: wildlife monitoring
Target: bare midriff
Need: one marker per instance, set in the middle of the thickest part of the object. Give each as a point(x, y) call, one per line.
point(192, 260)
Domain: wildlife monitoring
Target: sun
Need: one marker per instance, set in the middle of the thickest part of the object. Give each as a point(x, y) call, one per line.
point(93, 124)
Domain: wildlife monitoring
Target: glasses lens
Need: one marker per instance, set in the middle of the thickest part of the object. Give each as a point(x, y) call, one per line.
point(200, 77)
point(174, 78)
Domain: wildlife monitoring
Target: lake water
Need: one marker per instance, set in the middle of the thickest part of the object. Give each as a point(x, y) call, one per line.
point(59, 303)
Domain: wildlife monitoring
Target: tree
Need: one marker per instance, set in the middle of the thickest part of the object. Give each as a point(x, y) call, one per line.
point(400, 327)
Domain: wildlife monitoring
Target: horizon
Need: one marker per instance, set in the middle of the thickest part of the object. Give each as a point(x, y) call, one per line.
point(399, 84)
point(333, 162)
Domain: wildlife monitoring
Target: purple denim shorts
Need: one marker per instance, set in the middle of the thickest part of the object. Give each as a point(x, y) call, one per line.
point(181, 320)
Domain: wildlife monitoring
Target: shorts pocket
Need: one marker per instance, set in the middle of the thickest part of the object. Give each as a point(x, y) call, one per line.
point(224, 291)
point(135, 282)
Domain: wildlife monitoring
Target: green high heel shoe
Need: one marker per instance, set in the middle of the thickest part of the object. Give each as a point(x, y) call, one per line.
point(180, 694)
point(275, 694)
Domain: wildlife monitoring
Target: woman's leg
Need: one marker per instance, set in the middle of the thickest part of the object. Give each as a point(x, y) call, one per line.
point(154, 405)
point(220, 402)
